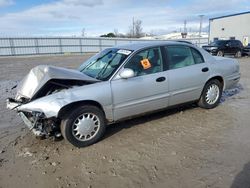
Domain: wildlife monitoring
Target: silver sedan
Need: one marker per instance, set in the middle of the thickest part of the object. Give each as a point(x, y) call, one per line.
point(120, 83)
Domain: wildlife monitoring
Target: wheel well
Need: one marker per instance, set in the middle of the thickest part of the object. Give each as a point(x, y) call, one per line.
point(219, 78)
point(63, 111)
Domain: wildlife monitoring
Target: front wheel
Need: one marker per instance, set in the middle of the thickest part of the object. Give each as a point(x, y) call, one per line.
point(84, 126)
point(211, 94)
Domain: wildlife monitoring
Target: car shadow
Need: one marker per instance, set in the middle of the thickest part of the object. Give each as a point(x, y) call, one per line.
point(242, 179)
point(126, 124)
point(116, 127)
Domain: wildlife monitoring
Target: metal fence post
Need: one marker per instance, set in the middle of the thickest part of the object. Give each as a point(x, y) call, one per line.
point(100, 44)
point(36, 46)
point(60, 45)
point(80, 42)
point(12, 47)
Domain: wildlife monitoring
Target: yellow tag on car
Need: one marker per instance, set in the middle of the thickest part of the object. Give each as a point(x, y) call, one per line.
point(145, 64)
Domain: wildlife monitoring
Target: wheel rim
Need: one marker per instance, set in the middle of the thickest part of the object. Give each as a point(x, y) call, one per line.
point(86, 126)
point(212, 94)
point(220, 53)
point(238, 54)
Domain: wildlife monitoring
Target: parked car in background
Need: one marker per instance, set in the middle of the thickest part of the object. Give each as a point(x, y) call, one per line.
point(119, 83)
point(225, 47)
point(246, 50)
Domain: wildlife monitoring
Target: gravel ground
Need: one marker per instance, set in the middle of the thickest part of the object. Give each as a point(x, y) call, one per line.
point(183, 147)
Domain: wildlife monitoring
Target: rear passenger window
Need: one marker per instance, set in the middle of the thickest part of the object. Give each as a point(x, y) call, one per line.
point(179, 56)
point(197, 56)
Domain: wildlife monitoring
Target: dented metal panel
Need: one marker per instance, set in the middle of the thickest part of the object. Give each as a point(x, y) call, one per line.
point(51, 105)
point(41, 74)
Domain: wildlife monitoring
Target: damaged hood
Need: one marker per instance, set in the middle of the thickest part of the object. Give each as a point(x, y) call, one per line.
point(40, 75)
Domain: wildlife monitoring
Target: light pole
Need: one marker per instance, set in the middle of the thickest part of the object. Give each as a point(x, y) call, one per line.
point(201, 17)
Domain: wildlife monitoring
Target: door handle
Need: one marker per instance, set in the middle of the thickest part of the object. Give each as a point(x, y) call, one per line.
point(205, 69)
point(160, 79)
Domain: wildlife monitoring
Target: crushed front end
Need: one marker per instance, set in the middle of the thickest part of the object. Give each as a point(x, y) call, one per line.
point(36, 121)
point(40, 96)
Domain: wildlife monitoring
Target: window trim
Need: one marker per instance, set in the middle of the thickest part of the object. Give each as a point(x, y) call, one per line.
point(203, 60)
point(164, 58)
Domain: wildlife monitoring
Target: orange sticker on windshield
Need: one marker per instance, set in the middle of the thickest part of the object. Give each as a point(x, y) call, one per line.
point(145, 64)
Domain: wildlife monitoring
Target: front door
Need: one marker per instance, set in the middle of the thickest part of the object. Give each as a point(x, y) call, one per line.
point(146, 91)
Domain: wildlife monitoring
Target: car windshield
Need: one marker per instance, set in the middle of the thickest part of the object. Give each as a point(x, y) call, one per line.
point(218, 43)
point(104, 64)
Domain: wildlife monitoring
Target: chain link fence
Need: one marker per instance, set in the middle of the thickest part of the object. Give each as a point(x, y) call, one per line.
point(18, 46)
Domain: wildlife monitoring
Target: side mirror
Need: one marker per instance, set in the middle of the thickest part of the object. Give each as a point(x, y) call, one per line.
point(127, 73)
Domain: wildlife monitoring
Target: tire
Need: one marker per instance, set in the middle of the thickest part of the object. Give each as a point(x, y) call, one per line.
point(83, 126)
point(220, 53)
point(238, 54)
point(211, 94)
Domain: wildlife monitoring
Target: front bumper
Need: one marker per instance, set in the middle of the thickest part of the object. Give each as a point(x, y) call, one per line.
point(13, 105)
point(246, 52)
point(211, 51)
point(31, 125)
point(27, 122)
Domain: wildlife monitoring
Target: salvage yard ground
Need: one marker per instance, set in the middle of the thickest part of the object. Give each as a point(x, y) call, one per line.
point(184, 147)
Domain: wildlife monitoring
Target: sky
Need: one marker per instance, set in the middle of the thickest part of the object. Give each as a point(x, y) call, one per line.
point(97, 17)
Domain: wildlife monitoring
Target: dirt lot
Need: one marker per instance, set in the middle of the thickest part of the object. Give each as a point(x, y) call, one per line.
point(184, 147)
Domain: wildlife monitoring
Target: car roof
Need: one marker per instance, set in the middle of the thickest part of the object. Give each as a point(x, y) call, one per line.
point(140, 45)
point(227, 40)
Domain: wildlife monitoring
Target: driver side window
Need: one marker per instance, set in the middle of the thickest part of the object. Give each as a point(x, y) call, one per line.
point(146, 62)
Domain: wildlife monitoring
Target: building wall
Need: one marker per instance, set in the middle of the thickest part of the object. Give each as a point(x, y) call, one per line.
point(237, 26)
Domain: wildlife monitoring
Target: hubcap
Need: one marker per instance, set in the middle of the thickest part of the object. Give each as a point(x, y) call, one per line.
point(238, 54)
point(220, 53)
point(86, 126)
point(212, 94)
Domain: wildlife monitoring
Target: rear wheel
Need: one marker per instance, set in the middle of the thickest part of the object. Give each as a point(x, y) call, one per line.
point(211, 94)
point(238, 54)
point(220, 53)
point(84, 126)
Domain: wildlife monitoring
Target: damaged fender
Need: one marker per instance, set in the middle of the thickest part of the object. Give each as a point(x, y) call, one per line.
point(52, 104)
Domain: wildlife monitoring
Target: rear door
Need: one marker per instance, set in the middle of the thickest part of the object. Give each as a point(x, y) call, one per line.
point(234, 46)
point(239, 46)
point(146, 91)
point(187, 73)
point(231, 47)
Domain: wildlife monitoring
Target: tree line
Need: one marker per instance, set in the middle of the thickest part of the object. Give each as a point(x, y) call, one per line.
point(135, 31)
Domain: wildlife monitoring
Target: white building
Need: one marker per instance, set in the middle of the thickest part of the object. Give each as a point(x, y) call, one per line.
point(235, 26)
point(193, 37)
point(178, 35)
